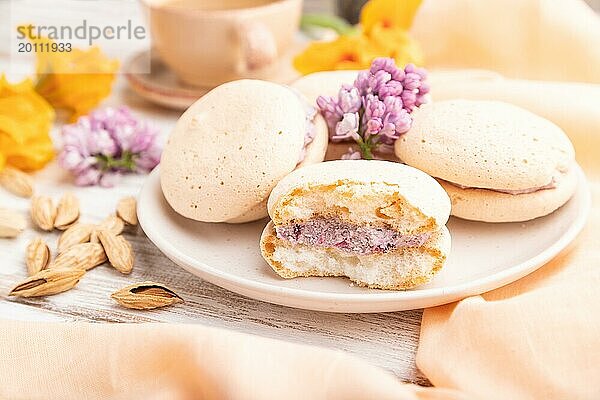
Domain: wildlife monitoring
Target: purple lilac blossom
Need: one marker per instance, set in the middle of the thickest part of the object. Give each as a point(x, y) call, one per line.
point(391, 89)
point(107, 143)
point(351, 154)
point(347, 128)
point(380, 100)
point(349, 99)
point(330, 110)
point(388, 65)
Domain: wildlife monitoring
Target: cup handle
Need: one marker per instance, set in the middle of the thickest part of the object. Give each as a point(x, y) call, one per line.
point(258, 46)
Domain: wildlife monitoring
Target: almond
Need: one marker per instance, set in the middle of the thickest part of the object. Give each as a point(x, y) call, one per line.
point(68, 211)
point(118, 251)
point(78, 233)
point(146, 296)
point(126, 210)
point(47, 282)
point(111, 223)
point(43, 212)
point(16, 182)
point(80, 256)
point(12, 223)
point(37, 256)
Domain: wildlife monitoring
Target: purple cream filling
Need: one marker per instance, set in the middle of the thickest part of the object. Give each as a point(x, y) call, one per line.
point(551, 185)
point(311, 129)
point(334, 233)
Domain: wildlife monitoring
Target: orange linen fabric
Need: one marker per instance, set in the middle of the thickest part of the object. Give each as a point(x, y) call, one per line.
point(528, 39)
point(182, 362)
point(538, 338)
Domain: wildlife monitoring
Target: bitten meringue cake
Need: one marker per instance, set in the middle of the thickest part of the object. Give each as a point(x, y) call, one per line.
point(379, 223)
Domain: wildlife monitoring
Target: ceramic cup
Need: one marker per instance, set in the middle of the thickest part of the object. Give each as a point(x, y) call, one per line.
point(209, 42)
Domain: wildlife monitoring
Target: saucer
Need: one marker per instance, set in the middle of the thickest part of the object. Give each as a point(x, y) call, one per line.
point(161, 86)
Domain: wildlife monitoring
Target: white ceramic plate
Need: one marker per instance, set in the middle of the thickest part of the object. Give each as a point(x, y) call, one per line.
point(484, 257)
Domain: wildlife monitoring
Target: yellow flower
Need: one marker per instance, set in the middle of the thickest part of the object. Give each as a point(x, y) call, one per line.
point(357, 52)
point(25, 121)
point(397, 44)
point(384, 33)
point(346, 52)
point(391, 14)
point(77, 80)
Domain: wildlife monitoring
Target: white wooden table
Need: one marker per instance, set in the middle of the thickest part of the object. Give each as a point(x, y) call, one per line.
point(388, 340)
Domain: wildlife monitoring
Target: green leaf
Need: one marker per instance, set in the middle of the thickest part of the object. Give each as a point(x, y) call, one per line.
point(339, 25)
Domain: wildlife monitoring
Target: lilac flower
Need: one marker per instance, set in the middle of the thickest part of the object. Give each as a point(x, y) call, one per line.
point(378, 80)
point(412, 68)
point(376, 110)
point(409, 99)
point(394, 124)
point(111, 118)
point(351, 154)
point(391, 88)
point(393, 104)
point(422, 95)
point(387, 134)
point(331, 111)
point(148, 159)
point(109, 179)
point(412, 81)
point(402, 121)
point(107, 143)
point(372, 127)
point(362, 82)
point(71, 160)
point(388, 65)
point(347, 128)
point(89, 176)
point(349, 99)
point(368, 83)
point(101, 141)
